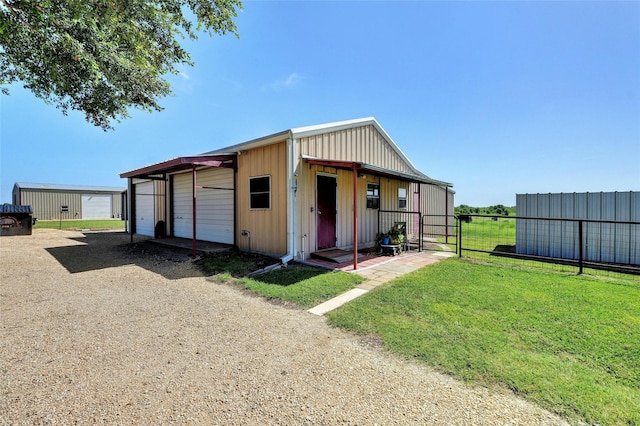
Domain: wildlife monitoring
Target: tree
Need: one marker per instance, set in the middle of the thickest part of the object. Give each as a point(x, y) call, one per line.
point(103, 57)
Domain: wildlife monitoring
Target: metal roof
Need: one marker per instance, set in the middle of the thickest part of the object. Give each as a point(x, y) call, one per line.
point(13, 209)
point(298, 132)
point(182, 163)
point(64, 187)
point(375, 170)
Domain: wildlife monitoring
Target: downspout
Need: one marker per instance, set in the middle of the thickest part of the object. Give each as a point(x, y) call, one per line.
point(292, 220)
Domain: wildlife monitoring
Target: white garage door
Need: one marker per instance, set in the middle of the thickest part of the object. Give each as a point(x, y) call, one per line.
point(145, 218)
point(96, 206)
point(214, 205)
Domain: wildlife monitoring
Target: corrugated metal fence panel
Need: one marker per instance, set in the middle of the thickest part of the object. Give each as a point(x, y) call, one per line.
point(621, 231)
point(603, 242)
point(555, 227)
point(569, 229)
point(634, 208)
point(543, 226)
point(593, 248)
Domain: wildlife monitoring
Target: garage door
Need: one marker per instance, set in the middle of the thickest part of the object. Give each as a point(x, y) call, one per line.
point(214, 205)
point(96, 206)
point(145, 218)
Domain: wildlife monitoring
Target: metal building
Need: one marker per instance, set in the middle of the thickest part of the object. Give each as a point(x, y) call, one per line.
point(55, 201)
point(288, 194)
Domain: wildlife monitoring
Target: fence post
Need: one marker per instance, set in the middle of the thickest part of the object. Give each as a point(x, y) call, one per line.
point(459, 238)
point(580, 248)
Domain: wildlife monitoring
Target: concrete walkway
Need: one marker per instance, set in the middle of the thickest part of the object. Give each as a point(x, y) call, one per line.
point(381, 273)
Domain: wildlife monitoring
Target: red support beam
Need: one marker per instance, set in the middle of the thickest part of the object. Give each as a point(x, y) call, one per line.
point(355, 216)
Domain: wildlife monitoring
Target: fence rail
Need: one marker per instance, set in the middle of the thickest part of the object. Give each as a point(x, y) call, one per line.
point(605, 245)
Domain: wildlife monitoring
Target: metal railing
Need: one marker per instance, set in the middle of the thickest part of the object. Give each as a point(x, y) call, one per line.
point(440, 232)
point(602, 245)
point(409, 223)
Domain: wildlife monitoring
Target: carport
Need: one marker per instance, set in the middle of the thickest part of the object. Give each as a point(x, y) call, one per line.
point(161, 171)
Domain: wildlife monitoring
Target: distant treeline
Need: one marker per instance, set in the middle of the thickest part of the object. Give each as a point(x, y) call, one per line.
point(497, 210)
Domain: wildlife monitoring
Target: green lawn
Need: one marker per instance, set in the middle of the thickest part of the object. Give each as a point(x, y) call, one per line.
point(568, 343)
point(483, 233)
point(80, 224)
point(305, 286)
point(302, 285)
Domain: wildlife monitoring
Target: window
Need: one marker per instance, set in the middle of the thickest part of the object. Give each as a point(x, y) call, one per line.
point(260, 192)
point(402, 198)
point(373, 196)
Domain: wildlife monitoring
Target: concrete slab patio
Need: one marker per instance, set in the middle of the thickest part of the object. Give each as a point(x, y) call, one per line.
point(378, 272)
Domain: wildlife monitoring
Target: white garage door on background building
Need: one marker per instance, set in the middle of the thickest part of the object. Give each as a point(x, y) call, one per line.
point(96, 206)
point(144, 215)
point(214, 205)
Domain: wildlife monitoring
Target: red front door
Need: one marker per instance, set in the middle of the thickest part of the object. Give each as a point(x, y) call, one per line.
point(326, 211)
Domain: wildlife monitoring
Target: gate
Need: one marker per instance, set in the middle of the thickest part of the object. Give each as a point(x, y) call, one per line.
point(440, 232)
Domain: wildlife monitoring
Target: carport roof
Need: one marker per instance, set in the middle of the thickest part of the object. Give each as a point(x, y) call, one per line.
point(181, 163)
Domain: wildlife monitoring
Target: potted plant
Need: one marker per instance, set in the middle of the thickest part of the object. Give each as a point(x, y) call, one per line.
point(397, 237)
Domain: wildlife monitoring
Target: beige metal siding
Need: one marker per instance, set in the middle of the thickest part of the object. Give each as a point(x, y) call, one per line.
point(434, 200)
point(267, 229)
point(46, 204)
point(367, 218)
point(364, 144)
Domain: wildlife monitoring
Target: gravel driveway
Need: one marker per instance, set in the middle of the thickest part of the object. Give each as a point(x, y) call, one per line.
point(94, 333)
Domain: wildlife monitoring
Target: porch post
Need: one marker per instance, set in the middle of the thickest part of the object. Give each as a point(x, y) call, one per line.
point(355, 216)
point(193, 239)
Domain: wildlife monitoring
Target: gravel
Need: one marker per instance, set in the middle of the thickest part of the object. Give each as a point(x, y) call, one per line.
point(95, 331)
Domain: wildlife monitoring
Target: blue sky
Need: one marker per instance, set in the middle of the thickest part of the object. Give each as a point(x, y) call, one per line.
point(498, 98)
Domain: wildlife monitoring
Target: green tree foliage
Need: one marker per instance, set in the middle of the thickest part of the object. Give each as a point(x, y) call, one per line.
point(102, 57)
point(498, 209)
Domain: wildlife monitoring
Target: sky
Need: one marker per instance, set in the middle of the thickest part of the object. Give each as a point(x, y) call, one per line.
point(498, 98)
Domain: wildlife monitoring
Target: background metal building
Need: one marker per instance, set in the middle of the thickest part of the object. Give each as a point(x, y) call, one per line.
point(82, 201)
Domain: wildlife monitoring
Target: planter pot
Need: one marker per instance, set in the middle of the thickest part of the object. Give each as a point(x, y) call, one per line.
point(385, 241)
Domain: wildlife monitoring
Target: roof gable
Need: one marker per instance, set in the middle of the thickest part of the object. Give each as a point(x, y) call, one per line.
point(319, 129)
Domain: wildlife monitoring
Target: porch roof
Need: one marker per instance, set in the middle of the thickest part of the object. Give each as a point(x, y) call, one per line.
point(181, 163)
point(364, 168)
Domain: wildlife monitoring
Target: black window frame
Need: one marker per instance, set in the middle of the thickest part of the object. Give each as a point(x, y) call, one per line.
point(373, 195)
point(259, 195)
point(403, 201)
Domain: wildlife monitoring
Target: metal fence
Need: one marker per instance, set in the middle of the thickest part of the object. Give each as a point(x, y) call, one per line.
point(567, 244)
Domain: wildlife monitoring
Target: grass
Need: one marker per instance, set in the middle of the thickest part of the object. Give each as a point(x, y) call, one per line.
point(302, 285)
point(570, 344)
point(80, 224)
point(483, 233)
